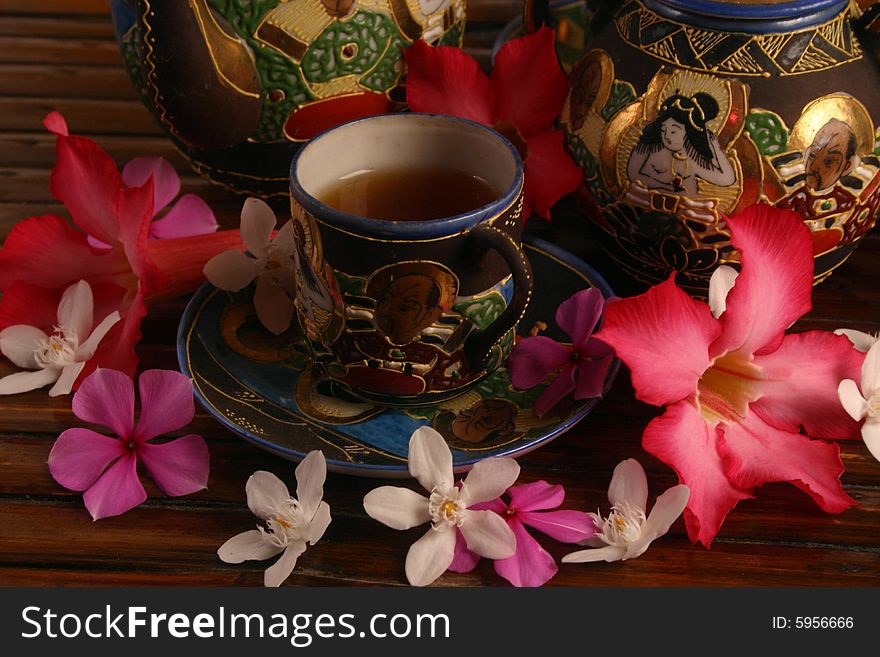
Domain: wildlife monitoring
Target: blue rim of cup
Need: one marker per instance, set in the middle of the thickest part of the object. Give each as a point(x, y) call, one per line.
point(407, 230)
point(772, 17)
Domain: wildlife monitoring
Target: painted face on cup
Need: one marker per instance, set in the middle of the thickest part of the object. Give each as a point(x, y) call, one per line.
point(407, 306)
point(672, 133)
point(830, 156)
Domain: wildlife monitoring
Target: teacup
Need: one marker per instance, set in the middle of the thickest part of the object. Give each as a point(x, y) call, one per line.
point(409, 313)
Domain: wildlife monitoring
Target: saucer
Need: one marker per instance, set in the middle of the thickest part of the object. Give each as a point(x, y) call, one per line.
point(264, 388)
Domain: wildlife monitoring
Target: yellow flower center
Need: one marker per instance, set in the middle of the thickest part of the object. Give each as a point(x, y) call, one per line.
point(726, 389)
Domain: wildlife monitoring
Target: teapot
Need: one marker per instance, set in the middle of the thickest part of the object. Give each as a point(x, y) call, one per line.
point(239, 85)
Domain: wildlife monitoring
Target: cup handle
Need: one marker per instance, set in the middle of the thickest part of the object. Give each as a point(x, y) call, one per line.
point(479, 343)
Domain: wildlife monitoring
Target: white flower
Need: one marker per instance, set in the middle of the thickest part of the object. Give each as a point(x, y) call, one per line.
point(861, 341)
point(627, 532)
point(60, 357)
point(865, 404)
point(485, 532)
point(291, 523)
point(271, 265)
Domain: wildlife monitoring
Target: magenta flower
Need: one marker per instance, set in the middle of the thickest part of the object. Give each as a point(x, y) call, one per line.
point(189, 216)
point(581, 367)
point(105, 468)
point(530, 565)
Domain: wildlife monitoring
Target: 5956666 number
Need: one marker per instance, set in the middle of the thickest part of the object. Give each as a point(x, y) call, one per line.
point(823, 622)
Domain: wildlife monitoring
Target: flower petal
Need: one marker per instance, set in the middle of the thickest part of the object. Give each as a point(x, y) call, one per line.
point(116, 491)
point(608, 553)
point(231, 270)
point(88, 348)
point(488, 479)
point(281, 569)
point(531, 565)
point(720, 285)
point(754, 453)
point(13, 384)
point(64, 384)
point(166, 182)
point(430, 556)
point(487, 534)
point(562, 385)
point(134, 207)
point(398, 508)
point(311, 473)
point(75, 311)
point(565, 526)
point(79, 456)
point(629, 484)
point(579, 314)
point(319, 523)
point(257, 223)
point(665, 511)
point(179, 467)
point(463, 560)
point(48, 252)
point(870, 383)
point(430, 460)
point(851, 399)
point(528, 85)
point(663, 336)
point(535, 496)
point(775, 284)
point(247, 546)
point(273, 306)
point(189, 216)
point(550, 173)
point(22, 304)
point(533, 359)
point(871, 436)
point(166, 403)
point(445, 80)
point(18, 343)
point(681, 439)
point(591, 377)
point(861, 341)
point(85, 180)
point(117, 350)
point(799, 384)
point(265, 493)
point(106, 397)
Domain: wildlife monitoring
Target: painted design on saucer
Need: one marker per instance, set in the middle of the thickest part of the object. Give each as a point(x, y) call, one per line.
point(283, 406)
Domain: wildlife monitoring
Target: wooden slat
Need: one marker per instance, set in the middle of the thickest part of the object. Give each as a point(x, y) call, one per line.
point(43, 50)
point(65, 81)
point(78, 27)
point(55, 7)
point(83, 115)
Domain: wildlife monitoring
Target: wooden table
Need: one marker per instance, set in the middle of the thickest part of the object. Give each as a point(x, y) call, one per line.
point(62, 55)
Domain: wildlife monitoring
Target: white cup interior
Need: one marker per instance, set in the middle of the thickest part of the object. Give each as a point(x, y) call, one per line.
point(403, 141)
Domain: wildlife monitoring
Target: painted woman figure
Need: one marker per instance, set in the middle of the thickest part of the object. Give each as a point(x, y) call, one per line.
point(678, 148)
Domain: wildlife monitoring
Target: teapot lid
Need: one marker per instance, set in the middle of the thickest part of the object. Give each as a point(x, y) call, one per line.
point(731, 14)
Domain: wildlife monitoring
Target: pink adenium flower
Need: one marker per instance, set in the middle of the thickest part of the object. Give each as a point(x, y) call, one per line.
point(738, 390)
point(629, 529)
point(580, 368)
point(105, 467)
point(530, 506)
point(521, 99)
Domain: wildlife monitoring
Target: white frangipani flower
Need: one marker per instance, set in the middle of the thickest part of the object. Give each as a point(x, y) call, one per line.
point(271, 265)
point(291, 523)
point(863, 402)
point(627, 531)
point(60, 357)
point(861, 341)
point(485, 532)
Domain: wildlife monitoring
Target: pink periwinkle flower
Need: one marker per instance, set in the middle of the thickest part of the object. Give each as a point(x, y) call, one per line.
point(530, 504)
point(105, 467)
point(580, 368)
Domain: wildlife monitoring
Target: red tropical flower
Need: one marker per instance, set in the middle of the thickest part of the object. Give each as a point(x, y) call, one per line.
point(522, 100)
